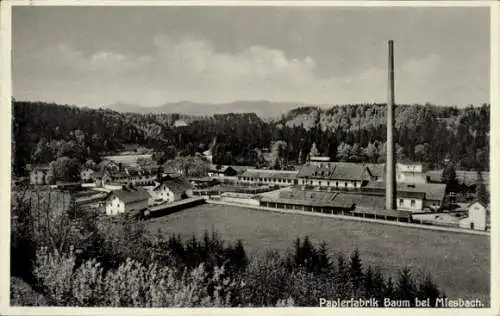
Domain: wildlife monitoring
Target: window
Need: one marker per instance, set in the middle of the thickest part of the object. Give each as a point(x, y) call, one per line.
point(412, 203)
point(401, 201)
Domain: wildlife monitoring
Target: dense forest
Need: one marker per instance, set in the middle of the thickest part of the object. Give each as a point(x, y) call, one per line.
point(433, 135)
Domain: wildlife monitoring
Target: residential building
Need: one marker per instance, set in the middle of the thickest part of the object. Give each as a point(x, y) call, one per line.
point(334, 175)
point(478, 217)
point(171, 189)
point(128, 176)
point(412, 197)
point(127, 200)
point(129, 160)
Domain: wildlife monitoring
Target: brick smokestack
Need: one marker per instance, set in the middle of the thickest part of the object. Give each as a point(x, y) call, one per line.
point(390, 189)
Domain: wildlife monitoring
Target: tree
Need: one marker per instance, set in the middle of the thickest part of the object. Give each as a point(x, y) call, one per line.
point(428, 290)
point(422, 152)
point(90, 164)
point(278, 150)
point(239, 256)
point(65, 169)
point(368, 284)
point(371, 152)
point(343, 152)
point(389, 291)
point(449, 177)
point(379, 285)
point(324, 265)
point(342, 284)
point(481, 194)
point(405, 287)
point(355, 272)
point(356, 153)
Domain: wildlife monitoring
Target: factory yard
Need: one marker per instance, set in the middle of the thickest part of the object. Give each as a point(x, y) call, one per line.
point(459, 263)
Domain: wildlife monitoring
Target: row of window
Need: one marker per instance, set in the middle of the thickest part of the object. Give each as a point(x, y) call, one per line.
point(279, 180)
point(412, 202)
point(133, 179)
point(330, 183)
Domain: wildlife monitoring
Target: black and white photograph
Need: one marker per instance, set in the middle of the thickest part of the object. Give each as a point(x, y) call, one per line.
point(254, 155)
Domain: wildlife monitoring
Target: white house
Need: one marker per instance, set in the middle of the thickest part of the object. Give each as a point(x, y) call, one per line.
point(126, 201)
point(410, 201)
point(171, 189)
point(478, 217)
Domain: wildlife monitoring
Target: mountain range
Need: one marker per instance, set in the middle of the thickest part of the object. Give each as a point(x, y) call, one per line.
point(262, 108)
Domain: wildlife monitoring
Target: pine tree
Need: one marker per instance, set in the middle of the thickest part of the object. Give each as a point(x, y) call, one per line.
point(405, 288)
point(449, 177)
point(324, 265)
point(389, 292)
point(427, 289)
point(368, 284)
point(379, 286)
point(240, 256)
point(308, 253)
point(481, 194)
point(355, 272)
point(342, 282)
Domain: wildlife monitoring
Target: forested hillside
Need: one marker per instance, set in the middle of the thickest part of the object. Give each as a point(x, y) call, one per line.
point(433, 135)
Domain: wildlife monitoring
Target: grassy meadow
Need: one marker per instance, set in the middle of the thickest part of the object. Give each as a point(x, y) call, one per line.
point(459, 263)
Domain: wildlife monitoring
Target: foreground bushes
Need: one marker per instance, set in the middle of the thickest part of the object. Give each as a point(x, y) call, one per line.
point(130, 285)
point(271, 280)
point(101, 261)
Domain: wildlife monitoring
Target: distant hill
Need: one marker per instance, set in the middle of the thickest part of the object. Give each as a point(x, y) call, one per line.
point(262, 108)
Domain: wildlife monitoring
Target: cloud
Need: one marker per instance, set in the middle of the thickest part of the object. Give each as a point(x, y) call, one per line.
point(190, 68)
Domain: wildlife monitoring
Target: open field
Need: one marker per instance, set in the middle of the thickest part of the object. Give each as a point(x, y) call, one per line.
point(459, 263)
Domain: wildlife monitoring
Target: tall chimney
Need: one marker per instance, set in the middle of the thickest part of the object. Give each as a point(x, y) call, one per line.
point(390, 189)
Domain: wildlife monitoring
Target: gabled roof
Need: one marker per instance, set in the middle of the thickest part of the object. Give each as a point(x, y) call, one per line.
point(221, 168)
point(178, 185)
point(376, 169)
point(334, 171)
point(131, 195)
point(313, 198)
point(483, 204)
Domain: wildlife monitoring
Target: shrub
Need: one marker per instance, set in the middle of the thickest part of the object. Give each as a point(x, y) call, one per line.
point(54, 272)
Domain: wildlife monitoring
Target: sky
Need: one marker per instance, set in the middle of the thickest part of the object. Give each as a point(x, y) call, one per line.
point(96, 56)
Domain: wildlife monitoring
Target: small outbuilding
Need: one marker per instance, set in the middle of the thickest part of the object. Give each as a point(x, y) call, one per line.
point(478, 217)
